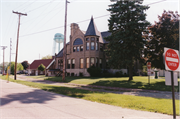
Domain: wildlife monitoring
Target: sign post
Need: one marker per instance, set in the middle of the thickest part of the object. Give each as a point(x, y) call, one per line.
point(149, 71)
point(172, 64)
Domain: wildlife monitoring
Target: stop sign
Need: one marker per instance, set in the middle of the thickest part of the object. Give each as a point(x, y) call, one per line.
point(171, 59)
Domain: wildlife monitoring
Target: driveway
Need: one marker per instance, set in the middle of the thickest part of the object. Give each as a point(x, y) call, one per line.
point(23, 102)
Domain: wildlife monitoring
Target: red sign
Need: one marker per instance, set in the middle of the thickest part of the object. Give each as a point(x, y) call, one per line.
point(149, 65)
point(149, 68)
point(172, 59)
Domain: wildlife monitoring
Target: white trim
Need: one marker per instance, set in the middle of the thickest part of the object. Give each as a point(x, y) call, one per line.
point(50, 64)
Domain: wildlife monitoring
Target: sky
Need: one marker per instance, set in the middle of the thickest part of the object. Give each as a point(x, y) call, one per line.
point(45, 18)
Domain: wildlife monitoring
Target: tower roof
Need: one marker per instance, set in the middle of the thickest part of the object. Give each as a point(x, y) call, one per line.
point(92, 29)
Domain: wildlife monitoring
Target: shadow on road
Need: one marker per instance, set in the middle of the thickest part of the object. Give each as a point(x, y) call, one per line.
point(36, 96)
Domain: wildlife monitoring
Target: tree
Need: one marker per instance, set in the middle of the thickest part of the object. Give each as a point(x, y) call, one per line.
point(126, 24)
point(19, 67)
point(47, 57)
point(164, 33)
point(25, 64)
point(41, 67)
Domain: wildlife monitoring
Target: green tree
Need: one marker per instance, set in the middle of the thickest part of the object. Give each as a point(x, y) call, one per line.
point(41, 67)
point(47, 57)
point(126, 24)
point(19, 67)
point(164, 33)
point(25, 64)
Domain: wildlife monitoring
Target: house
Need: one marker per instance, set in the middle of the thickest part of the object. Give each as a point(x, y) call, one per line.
point(85, 49)
point(32, 69)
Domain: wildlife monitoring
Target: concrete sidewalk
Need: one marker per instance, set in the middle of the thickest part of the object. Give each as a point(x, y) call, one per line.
point(23, 102)
point(126, 91)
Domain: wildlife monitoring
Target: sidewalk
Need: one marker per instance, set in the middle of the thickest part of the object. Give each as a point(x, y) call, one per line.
point(126, 91)
point(23, 102)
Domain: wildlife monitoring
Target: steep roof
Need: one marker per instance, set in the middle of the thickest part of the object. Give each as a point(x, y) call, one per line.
point(60, 54)
point(92, 29)
point(36, 63)
point(105, 34)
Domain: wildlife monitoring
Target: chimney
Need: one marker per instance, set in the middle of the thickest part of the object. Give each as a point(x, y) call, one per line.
point(74, 27)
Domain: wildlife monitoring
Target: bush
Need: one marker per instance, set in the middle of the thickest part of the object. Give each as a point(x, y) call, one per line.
point(105, 73)
point(118, 74)
point(80, 74)
point(72, 74)
point(94, 71)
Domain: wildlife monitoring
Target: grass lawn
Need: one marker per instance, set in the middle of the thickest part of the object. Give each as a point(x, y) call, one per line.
point(138, 82)
point(127, 101)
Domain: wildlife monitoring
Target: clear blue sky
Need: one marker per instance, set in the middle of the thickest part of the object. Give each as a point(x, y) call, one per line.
point(44, 15)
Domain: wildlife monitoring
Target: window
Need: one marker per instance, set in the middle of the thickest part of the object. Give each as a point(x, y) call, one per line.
point(87, 45)
point(92, 61)
point(92, 39)
point(96, 46)
point(87, 39)
point(100, 63)
point(97, 40)
point(73, 64)
point(92, 45)
point(87, 62)
point(69, 63)
point(81, 48)
point(96, 62)
point(74, 49)
point(81, 63)
point(78, 49)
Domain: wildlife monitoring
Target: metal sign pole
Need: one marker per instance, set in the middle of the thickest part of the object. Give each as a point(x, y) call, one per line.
point(173, 97)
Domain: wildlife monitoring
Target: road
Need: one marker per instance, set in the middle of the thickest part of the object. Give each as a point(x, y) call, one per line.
point(23, 102)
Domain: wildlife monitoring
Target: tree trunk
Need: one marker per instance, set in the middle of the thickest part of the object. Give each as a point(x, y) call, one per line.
point(130, 73)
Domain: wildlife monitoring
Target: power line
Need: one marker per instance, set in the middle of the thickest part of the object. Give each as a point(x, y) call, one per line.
point(40, 6)
point(79, 22)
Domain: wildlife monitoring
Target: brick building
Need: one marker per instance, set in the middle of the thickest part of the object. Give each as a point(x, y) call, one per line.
point(84, 50)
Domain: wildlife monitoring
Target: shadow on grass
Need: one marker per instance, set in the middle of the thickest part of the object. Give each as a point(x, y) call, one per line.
point(134, 84)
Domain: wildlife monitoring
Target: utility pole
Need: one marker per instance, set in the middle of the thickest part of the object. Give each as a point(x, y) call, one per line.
point(64, 50)
point(17, 42)
point(3, 47)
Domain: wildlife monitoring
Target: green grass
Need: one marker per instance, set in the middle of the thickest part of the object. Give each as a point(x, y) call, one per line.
point(127, 101)
point(138, 82)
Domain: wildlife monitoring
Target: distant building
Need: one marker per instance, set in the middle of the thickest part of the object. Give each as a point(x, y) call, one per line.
point(32, 69)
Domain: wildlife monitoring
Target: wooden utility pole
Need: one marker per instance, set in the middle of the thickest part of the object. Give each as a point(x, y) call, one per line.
point(64, 50)
point(3, 47)
point(17, 42)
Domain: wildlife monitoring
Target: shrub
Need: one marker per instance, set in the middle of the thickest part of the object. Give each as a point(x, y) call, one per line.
point(80, 74)
point(118, 74)
point(94, 71)
point(72, 74)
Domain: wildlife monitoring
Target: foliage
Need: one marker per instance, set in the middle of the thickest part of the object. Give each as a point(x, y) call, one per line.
point(94, 71)
point(25, 64)
point(41, 67)
point(19, 67)
point(159, 105)
point(5, 65)
point(47, 57)
point(126, 24)
point(164, 33)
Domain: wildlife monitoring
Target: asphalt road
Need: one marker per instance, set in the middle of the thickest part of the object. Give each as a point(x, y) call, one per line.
point(23, 102)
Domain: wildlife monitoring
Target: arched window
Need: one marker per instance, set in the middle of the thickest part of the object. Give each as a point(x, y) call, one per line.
point(78, 41)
